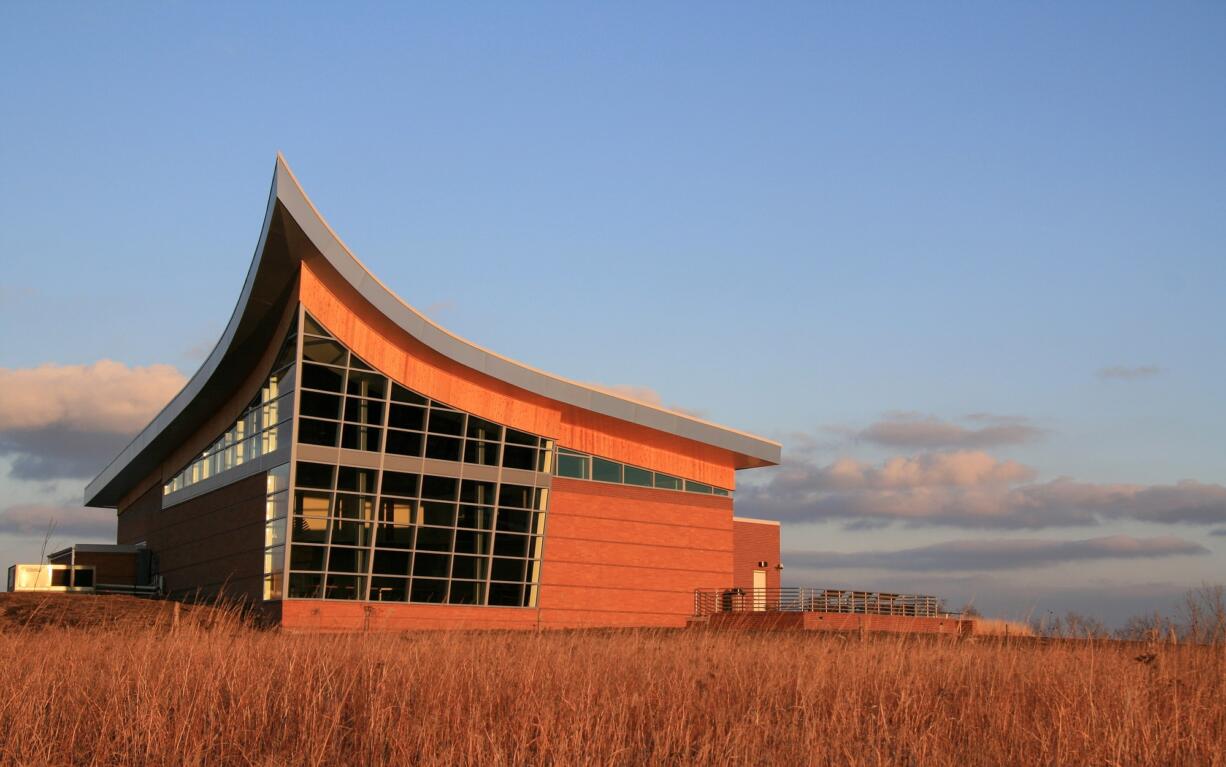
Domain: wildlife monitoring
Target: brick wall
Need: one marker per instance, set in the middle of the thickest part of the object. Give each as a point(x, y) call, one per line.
point(318, 615)
point(116, 568)
point(755, 542)
point(626, 556)
point(211, 543)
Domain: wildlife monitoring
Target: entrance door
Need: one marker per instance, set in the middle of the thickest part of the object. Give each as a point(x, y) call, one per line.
point(759, 590)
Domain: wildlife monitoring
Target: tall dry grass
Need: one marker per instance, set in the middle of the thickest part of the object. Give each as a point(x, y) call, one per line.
point(220, 693)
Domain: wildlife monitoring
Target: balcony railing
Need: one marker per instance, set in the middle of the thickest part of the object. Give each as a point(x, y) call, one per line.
point(802, 599)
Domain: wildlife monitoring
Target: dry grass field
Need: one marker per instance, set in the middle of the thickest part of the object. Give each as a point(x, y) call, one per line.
point(215, 691)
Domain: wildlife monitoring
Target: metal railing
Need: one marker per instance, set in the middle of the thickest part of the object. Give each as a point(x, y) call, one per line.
point(803, 599)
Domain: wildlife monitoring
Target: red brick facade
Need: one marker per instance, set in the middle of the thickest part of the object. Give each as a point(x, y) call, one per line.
point(619, 555)
point(755, 541)
point(207, 545)
point(330, 615)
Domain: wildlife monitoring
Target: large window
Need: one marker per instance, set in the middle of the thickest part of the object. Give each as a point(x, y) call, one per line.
point(392, 536)
point(344, 403)
point(263, 426)
point(276, 512)
point(576, 465)
point(455, 535)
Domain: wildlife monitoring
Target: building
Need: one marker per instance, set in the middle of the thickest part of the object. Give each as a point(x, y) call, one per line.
point(89, 567)
point(348, 463)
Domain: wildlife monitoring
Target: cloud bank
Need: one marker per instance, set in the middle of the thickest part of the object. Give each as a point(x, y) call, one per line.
point(969, 489)
point(67, 421)
point(74, 521)
point(997, 554)
point(913, 431)
point(954, 469)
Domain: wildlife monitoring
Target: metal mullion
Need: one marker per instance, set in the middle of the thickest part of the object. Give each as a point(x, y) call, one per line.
point(378, 494)
point(340, 417)
point(413, 549)
point(496, 505)
point(327, 571)
point(451, 563)
point(292, 475)
point(534, 584)
point(455, 517)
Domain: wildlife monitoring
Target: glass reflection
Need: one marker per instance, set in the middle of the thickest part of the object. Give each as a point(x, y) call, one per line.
point(394, 536)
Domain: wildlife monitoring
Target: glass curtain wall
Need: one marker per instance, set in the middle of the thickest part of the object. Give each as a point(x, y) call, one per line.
point(461, 530)
point(263, 426)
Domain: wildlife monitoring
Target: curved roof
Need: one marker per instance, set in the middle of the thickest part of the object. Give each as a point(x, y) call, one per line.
point(266, 290)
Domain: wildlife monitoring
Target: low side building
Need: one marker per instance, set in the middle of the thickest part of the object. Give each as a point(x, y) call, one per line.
point(116, 567)
point(348, 463)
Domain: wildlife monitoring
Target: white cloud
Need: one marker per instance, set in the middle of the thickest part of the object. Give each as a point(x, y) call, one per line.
point(956, 469)
point(106, 396)
point(68, 420)
point(967, 489)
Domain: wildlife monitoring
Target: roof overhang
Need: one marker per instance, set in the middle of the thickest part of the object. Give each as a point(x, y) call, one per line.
point(269, 285)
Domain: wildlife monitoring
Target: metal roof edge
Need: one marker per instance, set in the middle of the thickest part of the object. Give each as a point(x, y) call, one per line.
point(298, 205)
point(286, 190)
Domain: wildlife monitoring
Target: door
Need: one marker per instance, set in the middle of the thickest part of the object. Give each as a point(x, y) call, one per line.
point(759, 590)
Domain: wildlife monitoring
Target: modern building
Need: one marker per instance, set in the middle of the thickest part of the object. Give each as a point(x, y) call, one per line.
point(348, 463)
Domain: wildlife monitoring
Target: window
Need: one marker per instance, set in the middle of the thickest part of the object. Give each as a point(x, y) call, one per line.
point(576, 465)
point(666, 482)
point(344, 402)
point(262, 427)
point(606, 471)
point(275, 530)
point(324, 351)
point(636, 476)
point(315, 475)
point(322, 378)
point(393, 536)
point(571, 464)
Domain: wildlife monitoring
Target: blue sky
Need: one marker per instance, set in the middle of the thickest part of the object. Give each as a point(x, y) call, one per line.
point(815, 222)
